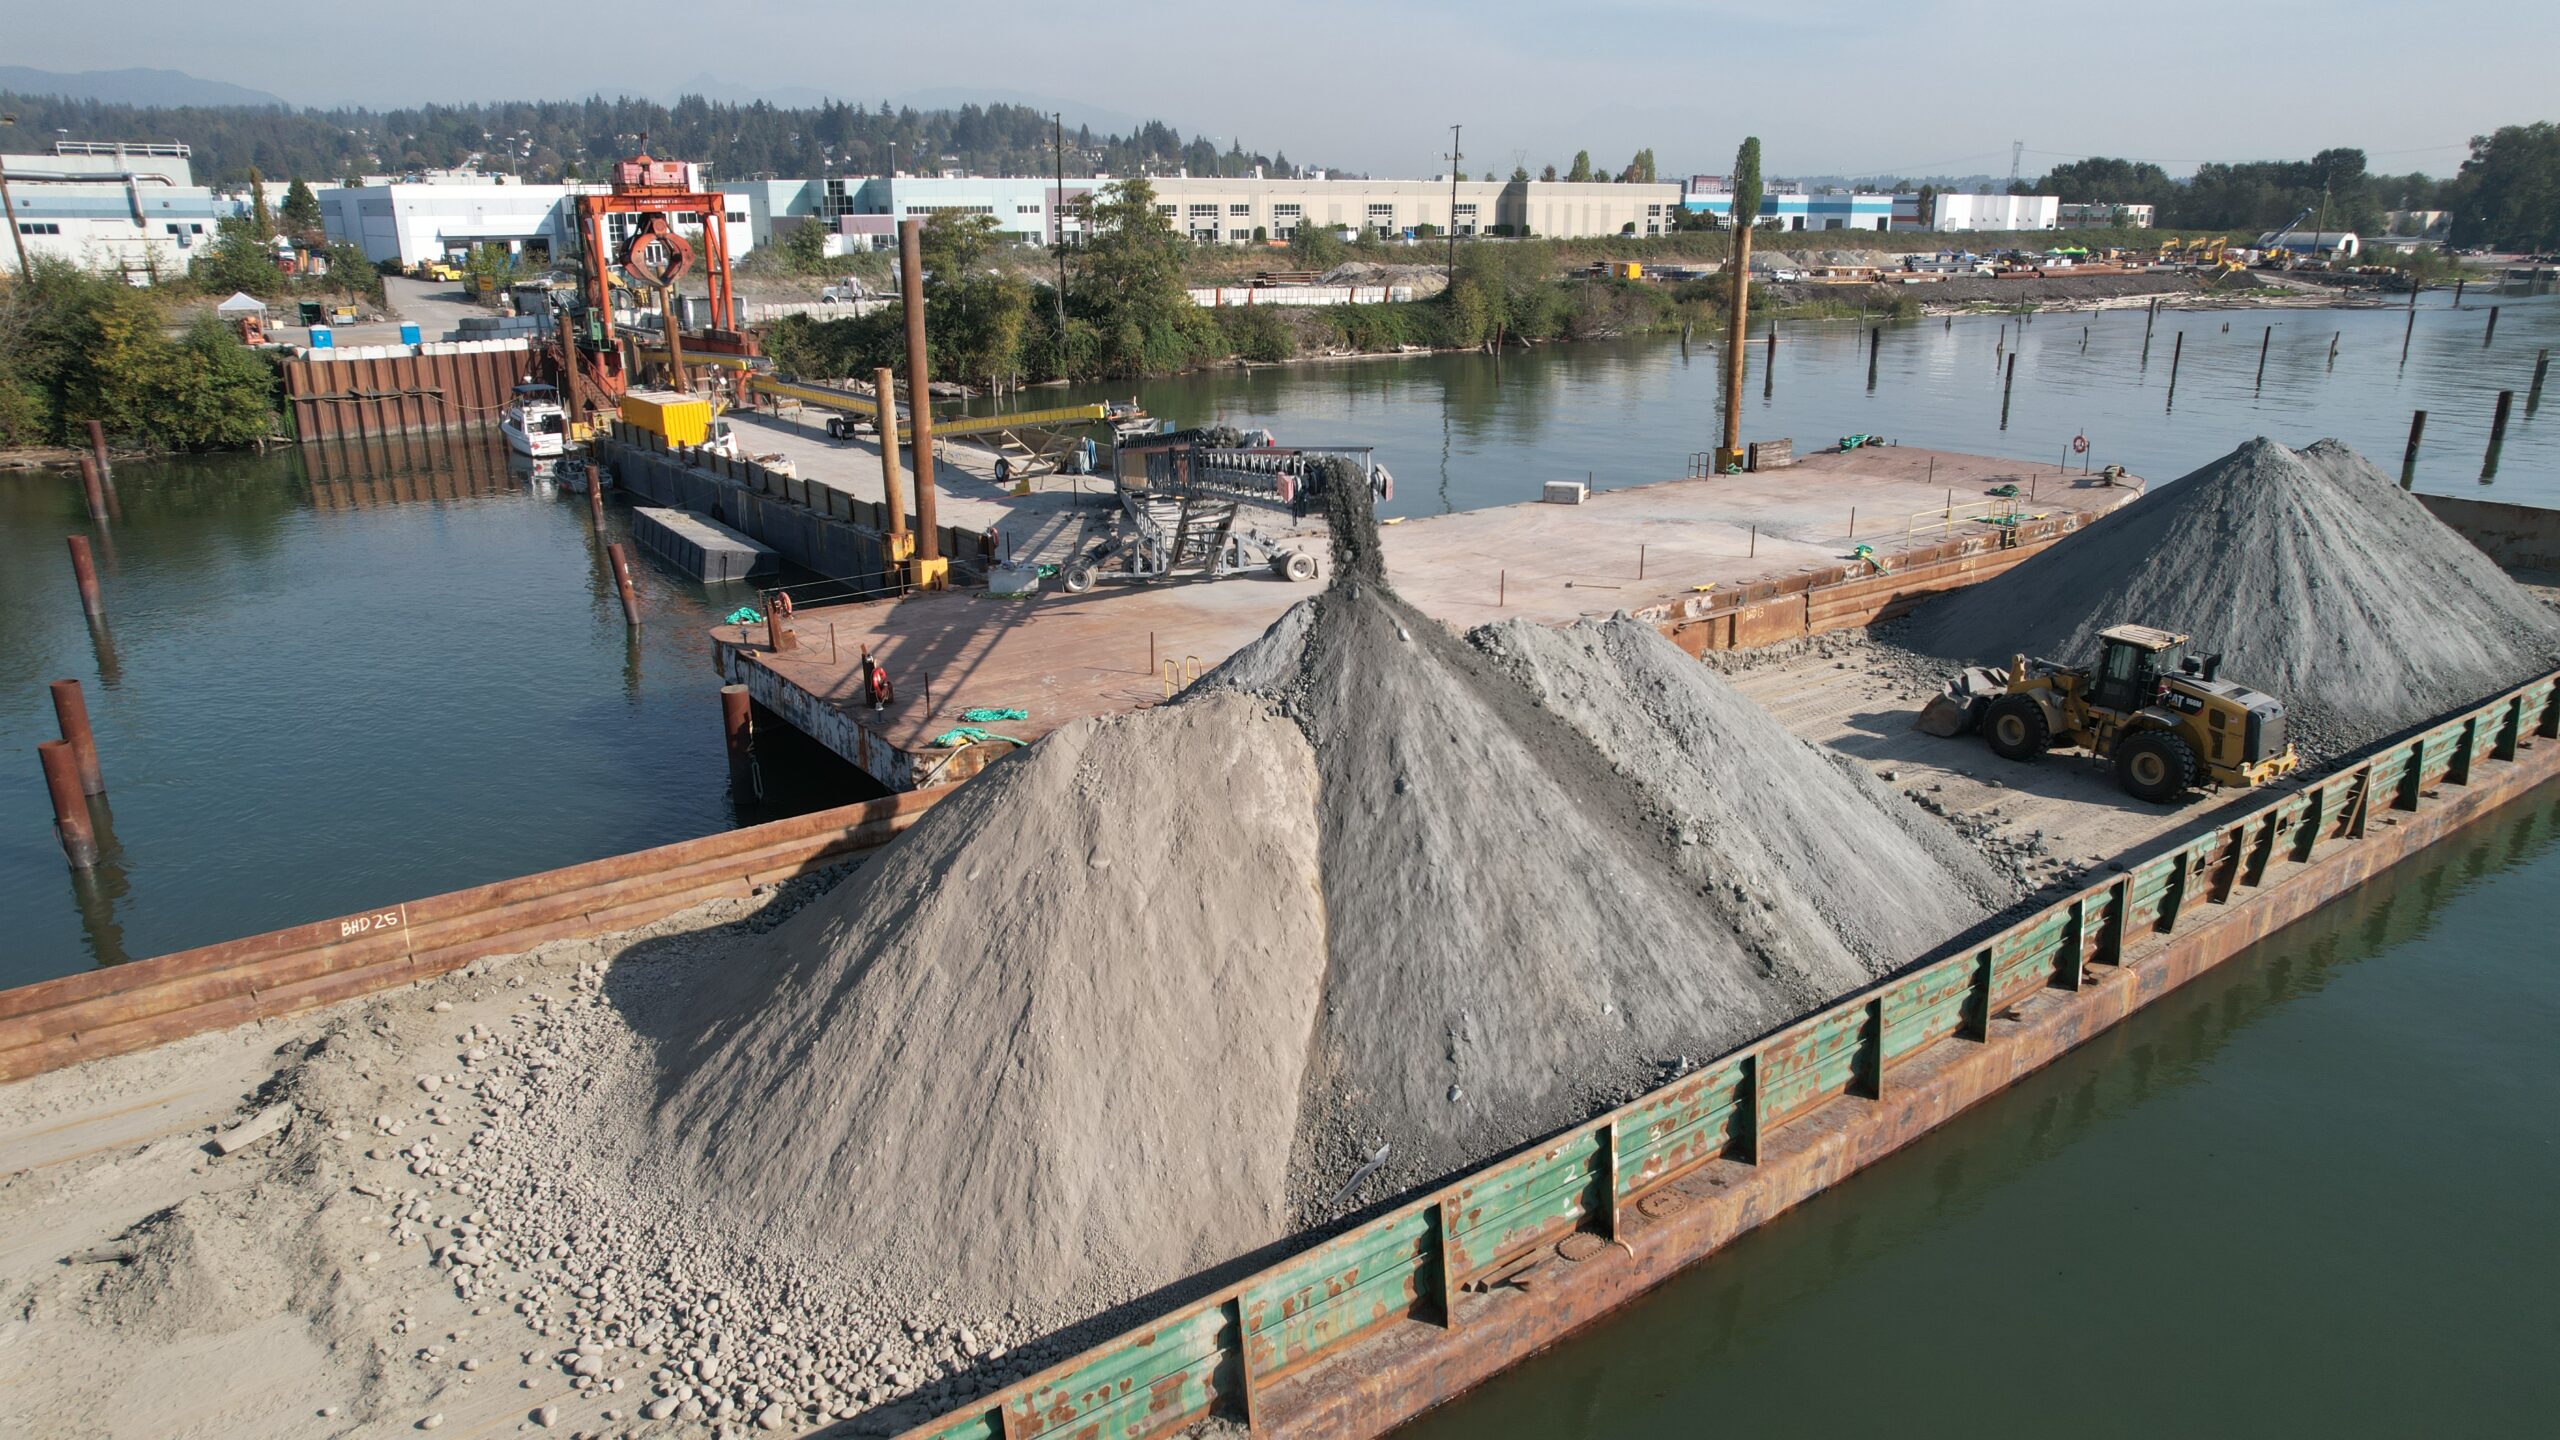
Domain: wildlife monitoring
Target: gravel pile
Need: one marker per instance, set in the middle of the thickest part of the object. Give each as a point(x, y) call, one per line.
point(1533, 908)
point(2319, 579)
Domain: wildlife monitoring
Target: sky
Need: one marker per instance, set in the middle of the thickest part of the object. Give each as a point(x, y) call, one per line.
point(1918, 87)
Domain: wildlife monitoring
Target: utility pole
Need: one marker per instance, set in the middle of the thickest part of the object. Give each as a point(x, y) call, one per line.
point(1455, 156)
point(1058, 218)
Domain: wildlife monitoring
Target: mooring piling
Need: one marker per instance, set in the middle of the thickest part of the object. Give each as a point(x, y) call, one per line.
point(2497, 436)
point(2263, 342)
point(2409, 457)
point(84, 572)
point(71, 713)
point(2006, 386)
point(92, 489)
point(1875, 344)
point(737, 729)
point(2541, 368)
point(621, 562)
point(2177, 352)
point(2409, 331)
point(71, 822)
point(2492, 332)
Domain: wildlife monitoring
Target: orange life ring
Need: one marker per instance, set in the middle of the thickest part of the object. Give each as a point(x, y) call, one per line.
point(2079, 444)
point(782, 603)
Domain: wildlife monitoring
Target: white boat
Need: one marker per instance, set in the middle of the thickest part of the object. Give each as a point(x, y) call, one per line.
point(534, 423)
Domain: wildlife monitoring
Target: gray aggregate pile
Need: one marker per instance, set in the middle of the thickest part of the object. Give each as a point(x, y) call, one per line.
point(1532, 907)
point(2319, 579)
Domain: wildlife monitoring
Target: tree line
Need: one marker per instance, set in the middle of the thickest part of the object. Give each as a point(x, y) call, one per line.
point(2506, 195)
point(552, 141)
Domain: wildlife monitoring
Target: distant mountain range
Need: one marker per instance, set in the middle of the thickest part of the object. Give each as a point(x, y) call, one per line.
point(132, 87)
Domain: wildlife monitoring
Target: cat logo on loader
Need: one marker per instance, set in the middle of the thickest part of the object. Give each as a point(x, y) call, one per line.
point(2160, 715)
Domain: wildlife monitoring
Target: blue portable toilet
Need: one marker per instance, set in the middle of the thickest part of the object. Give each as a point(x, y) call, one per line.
point(408, 333)
point(321, 339)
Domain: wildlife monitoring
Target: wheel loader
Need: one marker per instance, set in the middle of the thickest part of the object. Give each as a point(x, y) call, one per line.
point(2163, 717)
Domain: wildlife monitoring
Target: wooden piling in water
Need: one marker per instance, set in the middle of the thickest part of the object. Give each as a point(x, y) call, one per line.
point(98, 449)
point(2005, 387)
point(1875, 344)
point(2264, 341)
point(71, 823)
point(2497, 435)
point(2492, 332)
point(2409, 457)
point(71, 713)
point(84, 571)
point(2177, 352)
point(2541, 368)
point(2409, 332)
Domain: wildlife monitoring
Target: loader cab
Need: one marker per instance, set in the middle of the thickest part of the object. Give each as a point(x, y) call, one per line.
point(2132, 661)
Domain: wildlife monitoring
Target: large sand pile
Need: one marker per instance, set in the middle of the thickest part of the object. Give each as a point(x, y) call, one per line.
point(1048, 1041)
point(2319, 579)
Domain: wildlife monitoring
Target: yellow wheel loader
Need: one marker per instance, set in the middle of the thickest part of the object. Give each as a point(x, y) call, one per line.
point(2163, 717)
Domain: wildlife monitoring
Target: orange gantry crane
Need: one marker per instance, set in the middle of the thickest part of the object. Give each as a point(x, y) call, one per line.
point(659, 195)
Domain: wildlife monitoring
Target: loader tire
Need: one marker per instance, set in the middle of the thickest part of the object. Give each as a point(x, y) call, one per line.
point(2155, 765)
point(2016, 728)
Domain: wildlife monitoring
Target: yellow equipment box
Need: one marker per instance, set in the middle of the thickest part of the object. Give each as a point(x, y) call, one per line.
point(677, 418)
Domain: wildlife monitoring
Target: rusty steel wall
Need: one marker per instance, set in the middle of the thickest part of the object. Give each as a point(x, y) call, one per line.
point(374, 395)
point(1361, 1333)
point(61, 1022)
point(1841, 597)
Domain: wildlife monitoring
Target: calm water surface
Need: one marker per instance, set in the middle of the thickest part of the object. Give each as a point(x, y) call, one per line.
point(347, 678)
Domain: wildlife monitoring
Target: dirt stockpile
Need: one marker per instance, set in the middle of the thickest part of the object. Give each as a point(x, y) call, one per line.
point(2319, 579)
point(1050, 1040)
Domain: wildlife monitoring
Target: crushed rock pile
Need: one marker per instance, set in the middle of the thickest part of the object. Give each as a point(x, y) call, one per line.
point(2316, 576)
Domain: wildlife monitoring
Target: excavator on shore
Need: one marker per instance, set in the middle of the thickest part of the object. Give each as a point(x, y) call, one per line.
point(2163, 718)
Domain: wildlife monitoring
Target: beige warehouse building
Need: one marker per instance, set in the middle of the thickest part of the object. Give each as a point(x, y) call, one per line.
point(1228, 211)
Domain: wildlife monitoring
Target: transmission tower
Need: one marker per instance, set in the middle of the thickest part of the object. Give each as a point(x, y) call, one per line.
point(2017, 149)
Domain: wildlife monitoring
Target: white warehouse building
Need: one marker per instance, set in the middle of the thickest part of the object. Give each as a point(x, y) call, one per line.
point(409, 222)
point(1996, 212)
point(113, 207)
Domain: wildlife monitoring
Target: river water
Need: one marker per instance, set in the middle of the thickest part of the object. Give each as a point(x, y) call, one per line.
point(1461, 432)
point(341, 679)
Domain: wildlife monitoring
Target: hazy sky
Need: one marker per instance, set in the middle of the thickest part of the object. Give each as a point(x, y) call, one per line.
point(1923, 86)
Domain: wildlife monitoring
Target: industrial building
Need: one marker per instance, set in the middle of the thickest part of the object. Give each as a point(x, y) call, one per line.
point(2101, 215)
point(1792, 208)
point(1995, 212)
point(131, 209)
point(410, 221)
